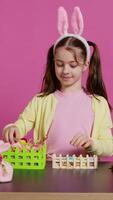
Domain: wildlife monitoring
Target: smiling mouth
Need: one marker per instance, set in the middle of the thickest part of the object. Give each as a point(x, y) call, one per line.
point(65, 77)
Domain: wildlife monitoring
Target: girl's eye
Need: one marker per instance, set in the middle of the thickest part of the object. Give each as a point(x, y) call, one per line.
point(73, 66)
point(59, 65)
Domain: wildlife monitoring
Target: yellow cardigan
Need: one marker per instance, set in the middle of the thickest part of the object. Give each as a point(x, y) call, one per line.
point(39, 113)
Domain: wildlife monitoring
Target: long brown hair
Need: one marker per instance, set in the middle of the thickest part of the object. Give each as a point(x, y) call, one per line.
point(94, 84)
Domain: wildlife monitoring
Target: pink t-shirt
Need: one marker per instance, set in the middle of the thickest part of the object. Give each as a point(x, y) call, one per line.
point(73, 115)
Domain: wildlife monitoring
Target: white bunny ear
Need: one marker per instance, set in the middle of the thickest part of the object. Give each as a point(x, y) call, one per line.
point(62, 21)
point(77, 21)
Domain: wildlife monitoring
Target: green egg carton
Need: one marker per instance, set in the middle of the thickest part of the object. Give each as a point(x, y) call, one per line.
point(24, 159)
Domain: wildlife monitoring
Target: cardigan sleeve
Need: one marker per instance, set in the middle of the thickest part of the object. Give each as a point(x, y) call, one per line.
point(103, 142)
point(27, 118)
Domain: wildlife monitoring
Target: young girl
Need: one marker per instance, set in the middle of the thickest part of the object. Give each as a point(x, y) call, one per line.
point(73, 119)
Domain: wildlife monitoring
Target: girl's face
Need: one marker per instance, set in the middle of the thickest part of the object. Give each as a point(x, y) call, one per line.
point(67, 69)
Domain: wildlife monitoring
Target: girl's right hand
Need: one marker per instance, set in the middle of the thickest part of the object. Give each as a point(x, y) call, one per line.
point(11, 134)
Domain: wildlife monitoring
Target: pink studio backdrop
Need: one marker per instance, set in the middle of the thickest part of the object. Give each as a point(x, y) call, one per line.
point(27, 30)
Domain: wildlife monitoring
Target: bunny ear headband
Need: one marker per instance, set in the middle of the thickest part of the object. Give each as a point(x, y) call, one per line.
point(77, 25)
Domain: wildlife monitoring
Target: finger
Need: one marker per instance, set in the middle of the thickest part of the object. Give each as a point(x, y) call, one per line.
point(88, 144)
point(80, 140)
point(75, 138)
point(11, 136)
point(5, 135)
point(82, 143)
point(16, 135)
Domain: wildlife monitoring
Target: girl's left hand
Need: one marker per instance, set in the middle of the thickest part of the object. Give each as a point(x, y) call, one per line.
point(81, 140)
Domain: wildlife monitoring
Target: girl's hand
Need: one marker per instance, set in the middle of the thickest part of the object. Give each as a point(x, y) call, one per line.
point(82, 140)
point(11, 134)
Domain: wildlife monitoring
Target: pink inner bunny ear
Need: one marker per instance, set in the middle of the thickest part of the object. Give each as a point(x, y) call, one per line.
point(62, 21)
point(77, 21)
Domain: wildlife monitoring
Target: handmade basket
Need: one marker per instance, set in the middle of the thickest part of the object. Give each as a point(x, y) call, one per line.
point(25, 159)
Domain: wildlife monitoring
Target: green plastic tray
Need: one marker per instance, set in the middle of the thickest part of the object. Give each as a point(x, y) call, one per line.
point(26, 159)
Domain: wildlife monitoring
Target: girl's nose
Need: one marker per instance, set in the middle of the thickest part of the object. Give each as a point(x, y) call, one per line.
point(66, 69)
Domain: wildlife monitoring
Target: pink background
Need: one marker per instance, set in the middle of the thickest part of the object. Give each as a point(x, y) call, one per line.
point(27, 30)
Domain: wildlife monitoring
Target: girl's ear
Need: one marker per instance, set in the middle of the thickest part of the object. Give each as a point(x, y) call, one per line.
point(86, 65)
